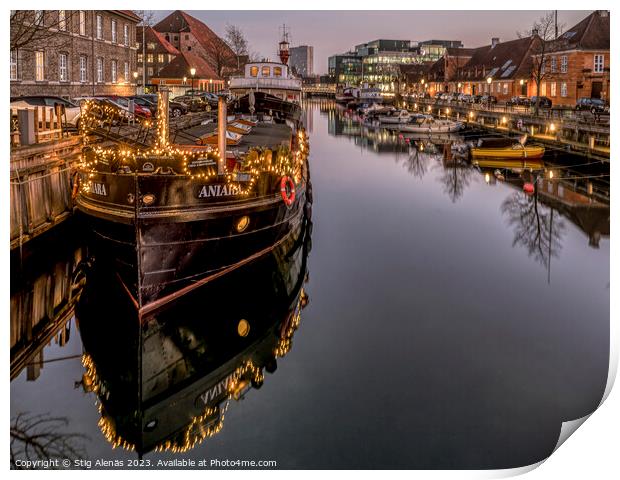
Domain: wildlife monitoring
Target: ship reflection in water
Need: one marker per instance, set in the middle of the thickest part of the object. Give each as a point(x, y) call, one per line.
point(172, 374)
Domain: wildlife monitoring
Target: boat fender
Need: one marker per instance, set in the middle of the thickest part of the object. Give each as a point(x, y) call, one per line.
point(76, 185)
point(528, 188)
point(289, 197)
point(308, 210)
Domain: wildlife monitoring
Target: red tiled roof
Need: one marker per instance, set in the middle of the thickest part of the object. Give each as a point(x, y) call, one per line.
point(592, 33)
point(180, 21)
point(460, 52)
point(152, 35)
point(180, 66)
point(505, 60)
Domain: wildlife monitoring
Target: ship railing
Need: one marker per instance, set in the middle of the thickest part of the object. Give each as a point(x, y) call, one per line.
point(264, 82)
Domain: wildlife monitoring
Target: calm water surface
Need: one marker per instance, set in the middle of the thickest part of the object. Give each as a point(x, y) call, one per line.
point(452, 321)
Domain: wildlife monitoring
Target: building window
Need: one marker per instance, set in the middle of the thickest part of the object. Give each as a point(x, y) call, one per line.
point(160, 58)
point(39, 66)
point(564, 64)
point(149, 58)
point(63, 73)
point(554, 64)
point(543, 89)
point(38, 17)
point(126, 35)
point(149, 71)
point(100, 70)
point(186, 37)
point(505, 89)
point(113, 71)
point(99, 27)
point(126, 71)
point(277, 71)
point(563, 89)
point(83, 65)
point(254, 71)
point(13, 64)
point(599, 63)
point(62, 20)
point(113, 31)
point(170, 57)
point(140, 58)
point(552, 87)
point(150, 46)
point(82, 22)
point(265, 71)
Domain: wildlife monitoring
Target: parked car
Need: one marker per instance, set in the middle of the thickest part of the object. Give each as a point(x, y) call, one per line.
point(519, 100)
point(475, 99)
point(150, 101)
point(594, 105)
point(544, 102)
point(488, 99)
point(123, 103)
point(72, 110)
point(195, 103)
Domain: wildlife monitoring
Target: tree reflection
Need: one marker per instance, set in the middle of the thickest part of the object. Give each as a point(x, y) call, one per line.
point(39, 437)
point(455, 179)
point(416, 163)
point(536, 227)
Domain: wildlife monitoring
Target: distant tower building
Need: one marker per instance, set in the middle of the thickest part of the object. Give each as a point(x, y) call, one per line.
point(302, 60)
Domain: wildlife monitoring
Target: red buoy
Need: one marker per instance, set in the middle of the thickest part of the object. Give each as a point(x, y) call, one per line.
point(528, 188)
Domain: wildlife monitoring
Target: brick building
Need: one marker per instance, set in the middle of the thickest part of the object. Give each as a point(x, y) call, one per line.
point(154, 53)
point(73, 53)
point(577, 63)
point(189, 35)
point(177, 75)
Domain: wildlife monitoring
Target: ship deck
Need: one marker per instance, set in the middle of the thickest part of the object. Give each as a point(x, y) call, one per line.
point(262, 135)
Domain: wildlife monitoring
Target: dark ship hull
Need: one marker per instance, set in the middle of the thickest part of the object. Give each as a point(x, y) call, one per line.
point(172, 373)
point(269, 104)
point(181, 241)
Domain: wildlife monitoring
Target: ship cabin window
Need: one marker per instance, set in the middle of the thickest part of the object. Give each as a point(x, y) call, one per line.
point(277, 71)
point(254, 71)
point(265, 71)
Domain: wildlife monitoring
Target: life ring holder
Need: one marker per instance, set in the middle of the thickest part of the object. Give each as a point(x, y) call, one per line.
point(287, 197)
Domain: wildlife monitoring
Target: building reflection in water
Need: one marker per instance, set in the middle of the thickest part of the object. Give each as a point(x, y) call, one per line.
point(165, 381)
point(579, 194)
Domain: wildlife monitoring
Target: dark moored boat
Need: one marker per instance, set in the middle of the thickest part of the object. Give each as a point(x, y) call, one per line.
point(171, 375)
point(174, 216)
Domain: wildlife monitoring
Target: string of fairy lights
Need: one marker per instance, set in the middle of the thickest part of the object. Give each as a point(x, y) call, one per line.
point(194, 163)
point(196, 431)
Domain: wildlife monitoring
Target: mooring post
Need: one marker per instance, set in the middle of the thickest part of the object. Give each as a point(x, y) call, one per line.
point(221, 134)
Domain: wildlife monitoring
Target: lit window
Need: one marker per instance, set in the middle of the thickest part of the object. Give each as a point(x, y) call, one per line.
point(277, 71)
point(113, 31)
point(82, 22)
point(554, 64)
point(254, 71)
point(150, 46)
point(564, 64)
point(505, 89)
point(149, 71)
point(140, 58)
point(62, 67)
point(149, 58)
point(39, 66)
point(113, 71)
point(599, 63)
point(563, 89)
point(552, 89)
point(83, 65)
point(13, 64)
point(100, 70)
point(99, 27)
point(265, 71)
point(126, 35)
point(160, 58)
point(62, 21)
point(543, 89)
point(126, 71)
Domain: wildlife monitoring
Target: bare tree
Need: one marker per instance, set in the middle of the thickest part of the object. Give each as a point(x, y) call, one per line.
point(237, 42)
point(34, 29)
point(220, 54)
point(544, 31)
point(40, 437)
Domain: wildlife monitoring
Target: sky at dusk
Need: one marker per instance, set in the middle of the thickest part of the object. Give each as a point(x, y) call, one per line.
point(333, 32)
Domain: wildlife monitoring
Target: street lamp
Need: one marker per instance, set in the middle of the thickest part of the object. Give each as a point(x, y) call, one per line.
point(210, 84)
point(192, 71)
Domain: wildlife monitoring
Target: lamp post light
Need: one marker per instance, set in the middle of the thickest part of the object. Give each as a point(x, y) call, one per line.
point(211, 85)
point(135, 80)
point(192, 72)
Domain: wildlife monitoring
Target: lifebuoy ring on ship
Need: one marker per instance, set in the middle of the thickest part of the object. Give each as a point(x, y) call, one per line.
point(287, 197)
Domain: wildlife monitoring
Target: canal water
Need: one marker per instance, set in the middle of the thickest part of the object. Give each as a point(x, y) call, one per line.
point(450, 321)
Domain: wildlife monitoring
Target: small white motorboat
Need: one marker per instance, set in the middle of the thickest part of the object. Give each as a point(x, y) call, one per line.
point(395, 116)
point(429, 125)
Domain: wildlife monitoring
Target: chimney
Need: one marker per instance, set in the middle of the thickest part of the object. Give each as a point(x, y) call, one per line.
point(494, 42)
